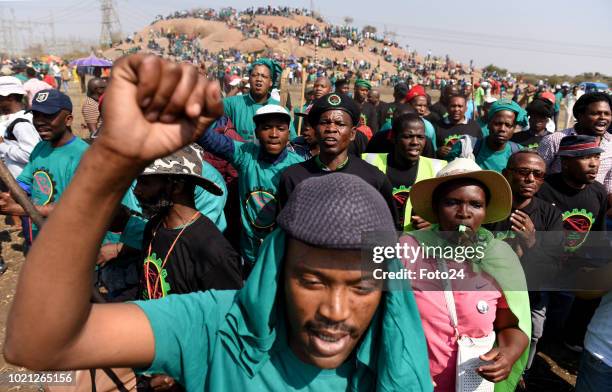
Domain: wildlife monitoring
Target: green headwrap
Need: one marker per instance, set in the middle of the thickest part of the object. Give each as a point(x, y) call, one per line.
point(273, 66)
point(392, 355)
point(510, 105)
point(501, 263)
point(363, 83)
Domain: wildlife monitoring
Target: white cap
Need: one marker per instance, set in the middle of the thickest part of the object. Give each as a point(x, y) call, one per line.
point(490, 99)
point(10, 85)
point(271, 109)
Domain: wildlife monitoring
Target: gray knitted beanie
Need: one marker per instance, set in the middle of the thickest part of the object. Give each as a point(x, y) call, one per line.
point(335, 211)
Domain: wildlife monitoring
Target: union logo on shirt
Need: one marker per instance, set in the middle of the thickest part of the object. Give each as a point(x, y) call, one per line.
point(576, 225)
point(261, 208)
point(43, 187)
point(451, 140)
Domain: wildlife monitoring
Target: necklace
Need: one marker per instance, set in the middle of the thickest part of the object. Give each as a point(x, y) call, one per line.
point(153, 292)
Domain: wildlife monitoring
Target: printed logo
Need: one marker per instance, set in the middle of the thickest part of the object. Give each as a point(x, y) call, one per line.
point(401, 196)
point(155, 276)
point(43, 187)
point(261, 209)
point(363, 119)
point(334, 100)
point(576, 225)
point(42, 97)
point(451, 140)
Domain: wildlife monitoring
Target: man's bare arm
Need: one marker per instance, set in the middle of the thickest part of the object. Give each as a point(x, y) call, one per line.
point(52, 324)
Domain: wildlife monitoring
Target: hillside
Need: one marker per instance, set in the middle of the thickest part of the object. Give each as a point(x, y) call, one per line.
point(217, 35)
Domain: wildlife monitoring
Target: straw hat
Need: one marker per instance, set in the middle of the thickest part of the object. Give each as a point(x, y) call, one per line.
point(500, 203)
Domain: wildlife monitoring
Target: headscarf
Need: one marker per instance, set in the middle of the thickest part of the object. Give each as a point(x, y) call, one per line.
point(510, 105)
point(416, 91)
point(502, 264)
point(392, 355)
point(273, 66)
point(363, 83)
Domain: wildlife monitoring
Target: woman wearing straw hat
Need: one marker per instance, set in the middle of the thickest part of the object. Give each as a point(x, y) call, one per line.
point(479, 308)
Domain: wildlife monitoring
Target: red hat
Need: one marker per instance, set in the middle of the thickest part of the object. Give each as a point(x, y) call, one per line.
point(416, 91)
point(548, 96)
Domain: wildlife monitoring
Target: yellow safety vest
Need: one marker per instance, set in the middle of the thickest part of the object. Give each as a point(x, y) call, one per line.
point(428, 168)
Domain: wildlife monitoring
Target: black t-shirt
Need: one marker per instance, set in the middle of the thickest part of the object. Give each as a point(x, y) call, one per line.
point(447, 134)
point(401, 180)
point(543, 214)
point(381, 143)
point(582, 210)
point(202, 259)
point(384, 111)
point(359, 145)
point(540, 262)
point(297, 173)
point(527, 139)
point(368, 113)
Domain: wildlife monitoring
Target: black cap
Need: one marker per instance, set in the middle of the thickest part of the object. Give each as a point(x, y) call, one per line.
point(334, 101)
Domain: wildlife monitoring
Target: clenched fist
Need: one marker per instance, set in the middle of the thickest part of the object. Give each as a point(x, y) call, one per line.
point(154, 107)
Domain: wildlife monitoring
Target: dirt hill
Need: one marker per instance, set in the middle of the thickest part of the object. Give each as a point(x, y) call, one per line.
point(216, 35)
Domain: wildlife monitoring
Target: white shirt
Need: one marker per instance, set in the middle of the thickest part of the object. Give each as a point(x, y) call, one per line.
point(16, 153)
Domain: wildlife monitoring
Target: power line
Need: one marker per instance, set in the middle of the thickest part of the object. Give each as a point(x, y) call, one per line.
point(111, 27)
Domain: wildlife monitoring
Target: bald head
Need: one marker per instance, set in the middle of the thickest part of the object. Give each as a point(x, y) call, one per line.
point(374, 97)
point(95, 88)
point(321, 87)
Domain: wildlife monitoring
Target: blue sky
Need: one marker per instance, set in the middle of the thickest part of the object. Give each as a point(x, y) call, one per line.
point(545, 36)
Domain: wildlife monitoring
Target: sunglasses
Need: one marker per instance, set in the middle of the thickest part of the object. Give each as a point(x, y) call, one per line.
point(524, 172)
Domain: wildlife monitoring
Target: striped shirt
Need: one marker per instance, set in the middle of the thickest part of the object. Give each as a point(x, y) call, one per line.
point(90, 111)
point(549, 146)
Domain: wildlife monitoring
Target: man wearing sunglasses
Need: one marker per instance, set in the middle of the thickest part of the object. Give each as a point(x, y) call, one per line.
point(525, 173)
point(53, 161)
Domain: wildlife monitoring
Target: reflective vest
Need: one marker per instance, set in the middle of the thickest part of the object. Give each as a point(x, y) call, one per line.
point(428, 168)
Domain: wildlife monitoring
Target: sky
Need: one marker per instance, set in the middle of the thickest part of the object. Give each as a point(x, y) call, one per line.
point(539, 36)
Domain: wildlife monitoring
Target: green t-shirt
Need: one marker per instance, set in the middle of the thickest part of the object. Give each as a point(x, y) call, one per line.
point(187, 348)
point(258, 189)
point(241, 109)
point(484, 127)
point(50, 170)
point(487, 159)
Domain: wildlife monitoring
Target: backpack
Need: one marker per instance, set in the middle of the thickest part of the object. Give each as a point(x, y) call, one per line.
point(9, 133)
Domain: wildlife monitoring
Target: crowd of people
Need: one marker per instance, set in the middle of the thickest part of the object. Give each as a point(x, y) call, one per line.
point(429, 70)
point(239, 233)
point(214, 236)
